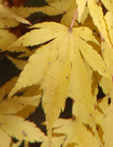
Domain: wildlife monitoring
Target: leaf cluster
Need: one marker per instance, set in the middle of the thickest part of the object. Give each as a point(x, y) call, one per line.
point(70, 58)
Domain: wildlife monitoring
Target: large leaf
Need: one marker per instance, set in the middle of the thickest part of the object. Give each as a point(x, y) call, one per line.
point(59, 68)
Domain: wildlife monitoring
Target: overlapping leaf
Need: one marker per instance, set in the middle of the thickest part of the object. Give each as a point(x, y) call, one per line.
point(76, 132)
point(64, 7)
point(18, 63)
point(108, 126)
point(17, 104)
point(16, 126)
point(20, 129)
point(6, 13)
point(81, 7)
point(6, 38)
point(59, 68)
point(24, 11)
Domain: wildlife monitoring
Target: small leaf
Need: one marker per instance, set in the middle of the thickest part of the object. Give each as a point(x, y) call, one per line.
point(18, 63)
point(15, 104)
point(6, 13)
point(81, 7)
point(17, 127)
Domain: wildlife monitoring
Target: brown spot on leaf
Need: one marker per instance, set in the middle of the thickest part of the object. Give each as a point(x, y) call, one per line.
point(95, 106)
point(1, 124)
point(24, 133)
point(97, 128)
point(70, 30)
point(102, 50)
point(21, 44)
point(73, 117)
point(90, 115)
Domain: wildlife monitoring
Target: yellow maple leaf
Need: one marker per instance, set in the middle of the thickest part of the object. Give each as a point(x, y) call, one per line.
point(108, 127)
point(6, 13)
point(6, 88)
point(6, 38)
point(17, 104)
point(103, 105)
point(3, 138)
point(96, 10)
point(75, 132)
point(55, 142)
point(107, 52)
point(59, 68)
point(18, 63)
point(16, 126)
point(64, 7)
point(23, 11)
point(109, 21)
point(8, 23)
point(107, 4)
point(81, 7)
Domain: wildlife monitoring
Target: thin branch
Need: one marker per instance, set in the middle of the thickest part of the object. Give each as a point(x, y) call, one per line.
point(73, 20)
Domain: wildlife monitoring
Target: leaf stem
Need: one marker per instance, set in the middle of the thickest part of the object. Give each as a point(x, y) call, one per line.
point(73, 20)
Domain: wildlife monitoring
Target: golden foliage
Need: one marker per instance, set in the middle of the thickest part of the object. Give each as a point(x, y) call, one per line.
point(67, 60)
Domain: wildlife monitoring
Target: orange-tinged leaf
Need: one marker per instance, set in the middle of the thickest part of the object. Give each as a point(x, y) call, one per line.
point(17, 127)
